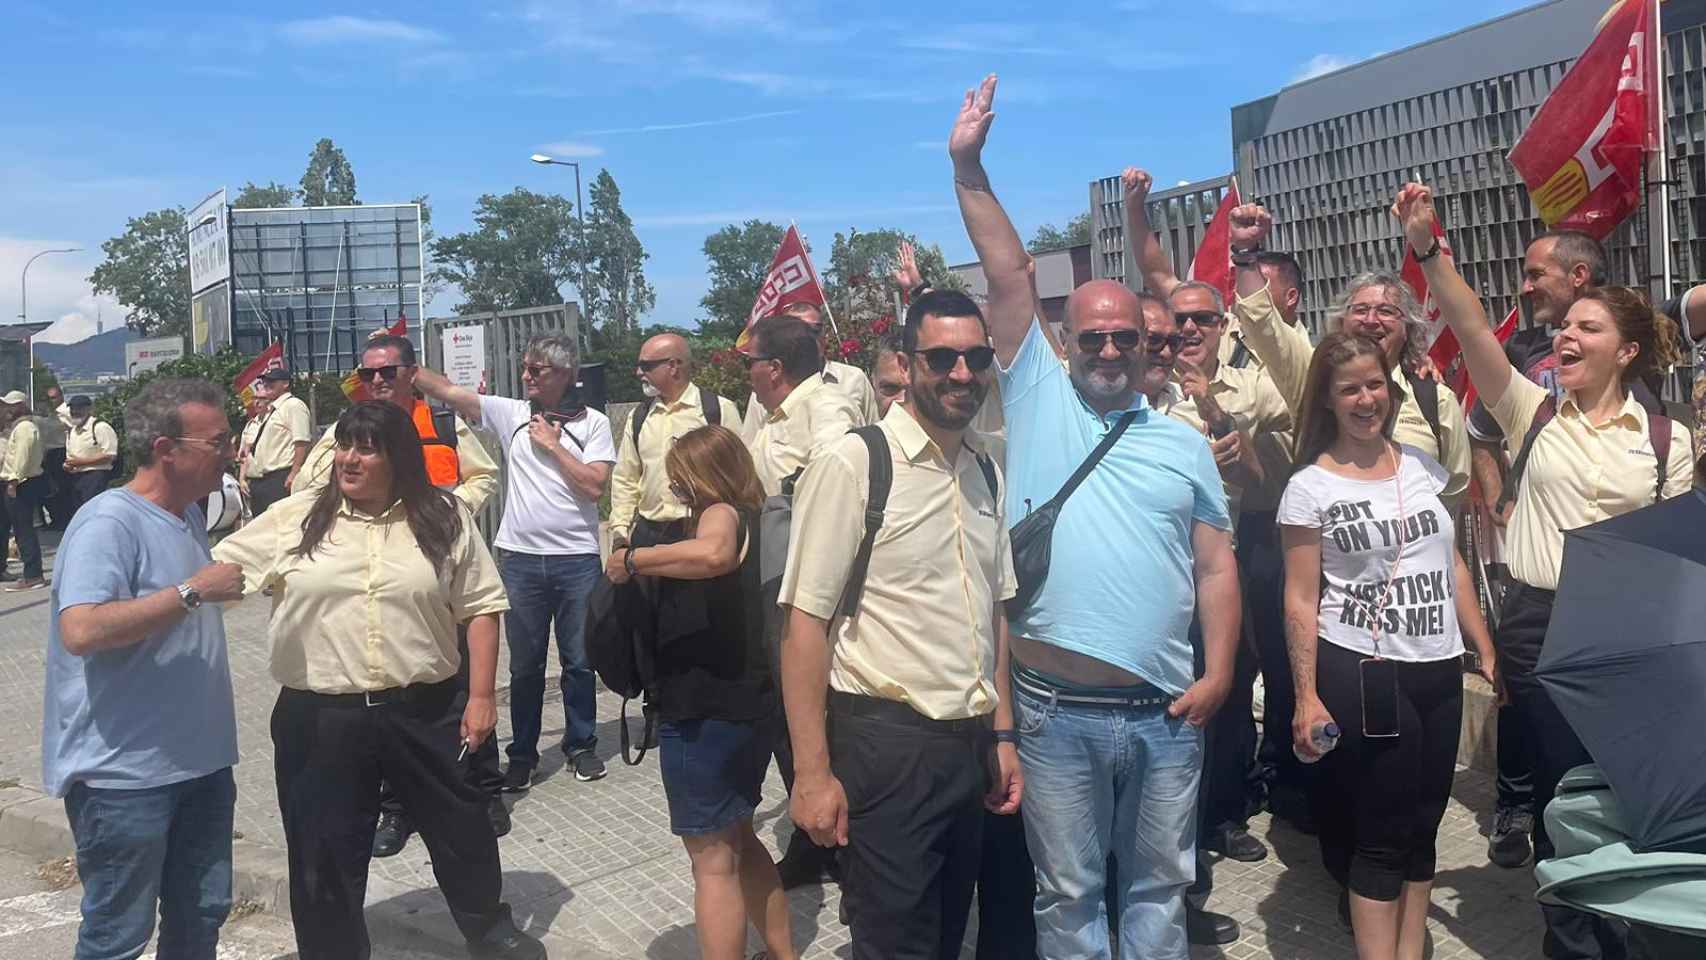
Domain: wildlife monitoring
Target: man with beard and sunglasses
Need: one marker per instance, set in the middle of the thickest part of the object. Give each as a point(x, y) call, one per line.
point(1108, 715)
point(914, 680)
point(456, 461)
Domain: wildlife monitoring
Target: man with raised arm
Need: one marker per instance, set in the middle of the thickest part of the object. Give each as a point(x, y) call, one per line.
point(1108, 716)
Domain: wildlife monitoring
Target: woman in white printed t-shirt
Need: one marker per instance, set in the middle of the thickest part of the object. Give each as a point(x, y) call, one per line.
point(1377, 605)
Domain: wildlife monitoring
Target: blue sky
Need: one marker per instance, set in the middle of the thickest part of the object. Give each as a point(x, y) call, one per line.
point(706, 112)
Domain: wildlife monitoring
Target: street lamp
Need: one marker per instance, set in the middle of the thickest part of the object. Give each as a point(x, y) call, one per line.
point(580, 233)
point(23, 310)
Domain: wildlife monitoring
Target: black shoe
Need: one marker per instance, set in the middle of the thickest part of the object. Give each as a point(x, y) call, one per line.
point(518, 778)
point(1208, 929)
point(1507, 844)
point(500, 816)
point(587, 766)
point(513, 945)
point(392, 835)
point(1234, 842)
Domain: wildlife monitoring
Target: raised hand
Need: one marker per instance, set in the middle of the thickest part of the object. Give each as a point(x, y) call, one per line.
point(971, 127)
point(906, 273)
point(1192, 382)
point(1414, 209)
point(1249, 226)
point(1136, 184)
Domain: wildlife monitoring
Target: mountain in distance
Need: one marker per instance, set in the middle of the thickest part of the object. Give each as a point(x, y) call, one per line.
point(101, 353)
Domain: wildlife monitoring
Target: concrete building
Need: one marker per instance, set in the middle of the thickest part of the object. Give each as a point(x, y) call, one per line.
point(1059, 272)
point(1177, 214)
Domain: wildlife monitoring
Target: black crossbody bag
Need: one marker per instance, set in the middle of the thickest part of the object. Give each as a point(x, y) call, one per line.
point(1033, 536)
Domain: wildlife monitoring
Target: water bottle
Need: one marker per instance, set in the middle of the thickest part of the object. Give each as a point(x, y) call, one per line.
point(1324, 737)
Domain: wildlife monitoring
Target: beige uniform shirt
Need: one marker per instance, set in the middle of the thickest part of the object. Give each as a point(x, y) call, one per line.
point(1250, 398)
point(638, 485)
point(278, 431)
point(95, 438)
point(367, 611)
point(849, 380)
point(23, 451)
point(813, 416)
point(479, 471)
point(1285, 352)
point(1578, 474)
point(924, 634)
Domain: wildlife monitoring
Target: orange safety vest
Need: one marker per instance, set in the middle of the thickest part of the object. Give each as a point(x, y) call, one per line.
point(443, 467)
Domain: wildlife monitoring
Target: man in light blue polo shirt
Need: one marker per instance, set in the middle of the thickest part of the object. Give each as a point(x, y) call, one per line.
point(139, 734)
point(1109, 717)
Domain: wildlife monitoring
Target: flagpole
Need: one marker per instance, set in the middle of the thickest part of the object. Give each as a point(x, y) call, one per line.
point(1658, 172)
point(828, 311)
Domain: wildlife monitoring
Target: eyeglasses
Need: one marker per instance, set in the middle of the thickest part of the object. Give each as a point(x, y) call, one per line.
point(647, 366)
point(750, 359)
point(1384, 311)
point(1169, 340)
point(890, 389)
point(537, 370)
point(1092, 341)
point(387, 373)
point(945, 359)
point(221, 442)
point(1202, 318)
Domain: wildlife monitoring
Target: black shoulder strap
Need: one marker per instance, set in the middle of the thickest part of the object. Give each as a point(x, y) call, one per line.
point(1543, 416)
point(881, 479)
point(1240, 353)
point(711, 405)
point(988, 467)
point(562, 428)
point(1095, 457)
point(443, 427)
point(638, 419)
point(1658, 428)
point(1427, 397)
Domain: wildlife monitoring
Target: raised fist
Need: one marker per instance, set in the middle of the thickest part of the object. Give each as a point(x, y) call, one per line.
point(1249, 225)
point(1414, 209)
point(1136, 183)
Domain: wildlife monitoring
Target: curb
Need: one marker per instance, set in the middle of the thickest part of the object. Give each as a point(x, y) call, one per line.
point(34, 824)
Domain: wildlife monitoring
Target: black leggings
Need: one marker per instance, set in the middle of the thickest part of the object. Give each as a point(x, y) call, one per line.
point(1379, 801)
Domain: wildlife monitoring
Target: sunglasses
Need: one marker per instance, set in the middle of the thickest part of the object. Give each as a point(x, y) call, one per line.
point(1169, 340)
point(945, 359)
point(387, 373)
point(537, 370)
point(1202, 318)
point(647, 366)
point(750, 359)
point(1092, 341)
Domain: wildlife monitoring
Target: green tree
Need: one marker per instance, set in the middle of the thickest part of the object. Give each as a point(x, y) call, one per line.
point(1051, 237)
point(147, 269)
point(272, 195)
point(329, 180)
point(520, 253)
point(862, 263)
point(616, 294)
point(738, 256)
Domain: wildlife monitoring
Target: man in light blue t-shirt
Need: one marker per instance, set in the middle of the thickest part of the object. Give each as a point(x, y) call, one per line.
point(140, 733)
point(1109, 717)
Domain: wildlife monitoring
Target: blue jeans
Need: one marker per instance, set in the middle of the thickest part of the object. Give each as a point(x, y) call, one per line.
point(546, 591)
point(1101, 780)
point(168, 846)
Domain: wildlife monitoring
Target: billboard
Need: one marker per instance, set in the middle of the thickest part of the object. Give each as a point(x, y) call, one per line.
point(210, 319)
point(141, 356)
point(210, 244)
point(465, 357)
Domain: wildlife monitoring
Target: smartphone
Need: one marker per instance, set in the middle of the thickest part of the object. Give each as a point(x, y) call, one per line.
point(1379, 697)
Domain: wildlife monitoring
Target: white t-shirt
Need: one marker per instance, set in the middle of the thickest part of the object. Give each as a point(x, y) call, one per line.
point(1361, 532)
point(543, 515)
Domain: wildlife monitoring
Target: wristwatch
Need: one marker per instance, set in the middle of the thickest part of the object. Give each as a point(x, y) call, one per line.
point(1432, 252)
point(1007, 736)
point(1246, 257)
point(189, 596)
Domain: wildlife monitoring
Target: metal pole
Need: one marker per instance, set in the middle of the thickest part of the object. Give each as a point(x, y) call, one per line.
point(1659, 163)
point(580, 258)
point(23, 311)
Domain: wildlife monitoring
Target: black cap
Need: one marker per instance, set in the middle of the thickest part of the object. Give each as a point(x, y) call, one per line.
point(80, 400)
point(276, 373)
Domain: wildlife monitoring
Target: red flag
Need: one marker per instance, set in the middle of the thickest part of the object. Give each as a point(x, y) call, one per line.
point(352, 386)
point(1443, 348)
point(269, 358)
point(791, 279)
point(1582, 153)
point(1213, 262)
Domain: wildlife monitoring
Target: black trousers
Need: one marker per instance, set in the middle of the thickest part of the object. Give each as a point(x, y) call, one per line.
point(1007, 891)
point(1555, 748)
point(20, 523)
point(915, 830)
point(58, 499)
point(87, 486)
point(1261, 568)
point(329, 753)
point(480, 770)
point(266, 490)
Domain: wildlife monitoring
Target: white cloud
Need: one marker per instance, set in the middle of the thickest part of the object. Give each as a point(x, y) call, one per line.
point(566, 150)
point(324, 31)
point(690, 124)
point(58, 289)
point(1320, 64)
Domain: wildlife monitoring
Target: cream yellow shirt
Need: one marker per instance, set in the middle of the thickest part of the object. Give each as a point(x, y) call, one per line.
point(366, 611)
point(924, 634)
point(279, 430)
point(813, 416)
point(1578, 474)
point(23, 451)
point(95, 438)
point(1285, 351)
point(848, 379)
point(479, 471)
point(639, 482)
point(1250, 398)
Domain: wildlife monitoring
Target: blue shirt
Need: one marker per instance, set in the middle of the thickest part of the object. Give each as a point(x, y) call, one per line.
point(1121, 585)
point(153, 713)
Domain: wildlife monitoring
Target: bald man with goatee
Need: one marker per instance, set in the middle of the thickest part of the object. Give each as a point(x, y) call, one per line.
point(643, 512)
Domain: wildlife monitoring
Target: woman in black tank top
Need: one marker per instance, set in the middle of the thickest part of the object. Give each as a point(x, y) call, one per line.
point(716, 697)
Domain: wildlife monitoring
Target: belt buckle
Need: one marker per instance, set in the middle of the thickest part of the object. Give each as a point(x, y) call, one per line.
point(384, 700)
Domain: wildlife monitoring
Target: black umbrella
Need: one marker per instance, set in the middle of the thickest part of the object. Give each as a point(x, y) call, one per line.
point(1625, 661)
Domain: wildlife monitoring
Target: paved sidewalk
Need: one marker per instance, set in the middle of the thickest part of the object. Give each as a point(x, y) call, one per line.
point(594, 864)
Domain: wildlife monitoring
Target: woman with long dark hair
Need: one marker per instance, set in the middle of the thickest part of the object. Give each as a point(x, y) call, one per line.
point(1378, 603)
point(1595, 452)
point(715, 692)
point(370, 577)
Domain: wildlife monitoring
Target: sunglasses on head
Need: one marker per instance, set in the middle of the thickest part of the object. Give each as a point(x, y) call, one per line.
point(1169, 340)
point(647, 366)
point(944, 359)
point(387, 373)
point(1092, 341)
point(1202, 318)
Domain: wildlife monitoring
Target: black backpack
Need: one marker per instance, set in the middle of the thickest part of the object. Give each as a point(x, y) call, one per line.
point(623, 655)
point(117, 466)
point(1427, 397)
point(1658, 430)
